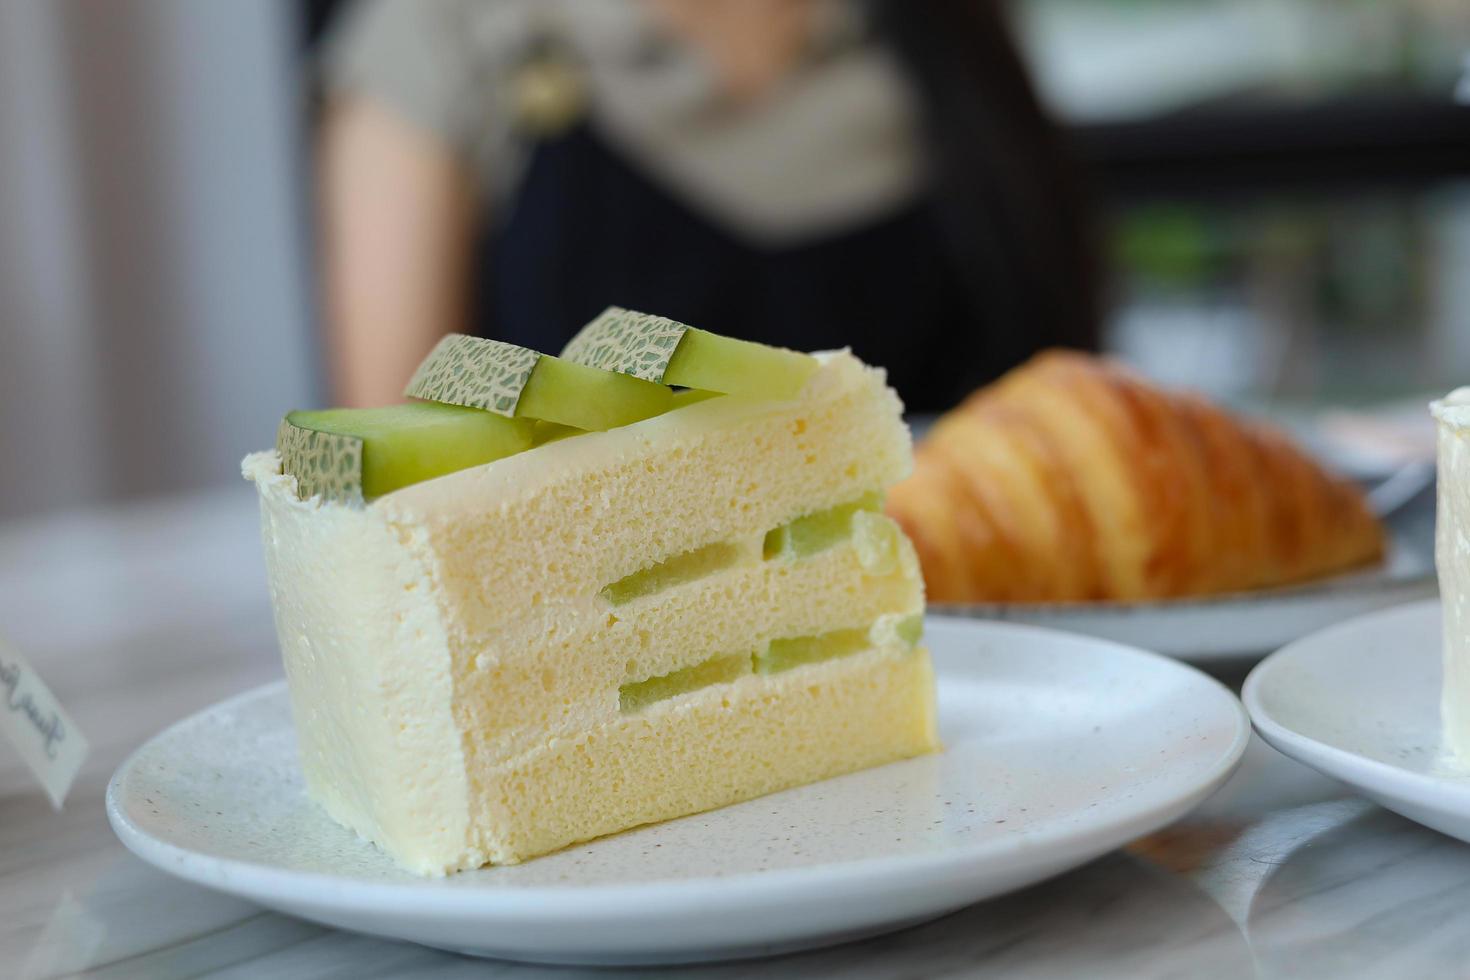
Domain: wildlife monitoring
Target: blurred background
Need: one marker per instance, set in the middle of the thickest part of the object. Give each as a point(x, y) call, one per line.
point(1281, 187)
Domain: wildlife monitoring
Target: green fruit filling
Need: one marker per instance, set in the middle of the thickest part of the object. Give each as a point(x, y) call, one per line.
point(406, 444)
point(717, 670)
point(910, 629)
point(711, 362)
point(798, 650)
point(875, 538)
point(808, 535)
point(795, 651)
point(674, 571)
point(779, 655)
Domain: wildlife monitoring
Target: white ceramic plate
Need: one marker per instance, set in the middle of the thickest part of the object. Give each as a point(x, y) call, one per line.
point(1360, 703)
point(1059, 749)
point(1238, 628)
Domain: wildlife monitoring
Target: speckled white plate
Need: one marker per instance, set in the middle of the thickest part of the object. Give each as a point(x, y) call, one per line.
point(1059, 749)
point(1360, 703)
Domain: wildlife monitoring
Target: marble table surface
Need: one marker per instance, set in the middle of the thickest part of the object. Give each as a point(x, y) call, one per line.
point(140, 615)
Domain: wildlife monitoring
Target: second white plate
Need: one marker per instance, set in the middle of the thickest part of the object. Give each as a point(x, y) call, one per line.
point(1059, 748)
point(1242, 627)
point(1360, 703)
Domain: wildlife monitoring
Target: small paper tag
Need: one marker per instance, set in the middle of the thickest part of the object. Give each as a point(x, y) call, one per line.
point(628, 342)
point(474, 372)
point(39, 728)
point(324, 463)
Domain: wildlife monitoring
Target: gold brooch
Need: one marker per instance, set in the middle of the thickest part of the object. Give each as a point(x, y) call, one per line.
point(548, 92)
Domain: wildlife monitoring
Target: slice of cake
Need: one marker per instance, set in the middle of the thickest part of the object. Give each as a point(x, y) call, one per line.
point(1452, 558)
point(606, 629)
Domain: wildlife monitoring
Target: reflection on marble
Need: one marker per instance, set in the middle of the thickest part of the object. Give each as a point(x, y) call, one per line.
point(139, 617)
point(1370, 894)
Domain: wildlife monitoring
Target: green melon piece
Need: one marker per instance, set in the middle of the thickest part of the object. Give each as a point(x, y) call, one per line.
point(659, 349)
point(711, 362)
point(588, 398)
point(875, 538)
point(717, 670)
point(406, 444)
point(690, 396)
point(910, 629)
point(544, 432)
point(475, 372)
point(674, 571)
point(798, 650)
point(808, 535)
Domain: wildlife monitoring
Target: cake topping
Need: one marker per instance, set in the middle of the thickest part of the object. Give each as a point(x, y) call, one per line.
point(478, 400)
point(325, 464)
point(475, 373)
point(629, 342)
point(656, 348)
point(517, 382)
point(351, 455)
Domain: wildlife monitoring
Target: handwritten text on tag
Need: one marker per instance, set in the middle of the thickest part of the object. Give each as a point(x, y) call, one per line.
point(37, 725)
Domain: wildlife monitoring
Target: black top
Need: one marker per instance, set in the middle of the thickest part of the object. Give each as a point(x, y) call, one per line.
point(586, 231)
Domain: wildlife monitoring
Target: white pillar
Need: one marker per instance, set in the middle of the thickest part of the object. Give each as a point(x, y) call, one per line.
point(163, 266)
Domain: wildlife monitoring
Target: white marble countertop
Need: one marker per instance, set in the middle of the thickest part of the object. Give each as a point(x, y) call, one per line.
point(139, 616)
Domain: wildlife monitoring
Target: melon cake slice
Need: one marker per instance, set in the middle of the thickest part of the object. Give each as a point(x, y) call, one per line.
point(606, 630)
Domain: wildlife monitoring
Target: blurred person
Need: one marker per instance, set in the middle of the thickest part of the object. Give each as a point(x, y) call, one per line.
point(810, 173)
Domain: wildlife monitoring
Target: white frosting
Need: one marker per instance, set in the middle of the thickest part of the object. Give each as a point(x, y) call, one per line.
point(365, 653)
point(1453, 409)
point(1452, 557)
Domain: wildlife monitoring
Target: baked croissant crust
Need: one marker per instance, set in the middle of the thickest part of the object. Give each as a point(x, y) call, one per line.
point(1071, 478)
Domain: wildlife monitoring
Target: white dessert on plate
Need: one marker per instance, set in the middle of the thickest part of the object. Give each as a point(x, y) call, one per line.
point(1452, 558)
point(605, 630)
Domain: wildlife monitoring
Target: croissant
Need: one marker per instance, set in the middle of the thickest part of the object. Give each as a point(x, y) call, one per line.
point(1071, 478)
